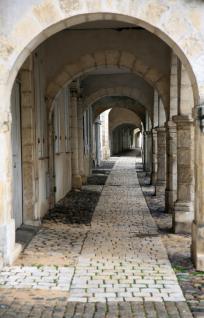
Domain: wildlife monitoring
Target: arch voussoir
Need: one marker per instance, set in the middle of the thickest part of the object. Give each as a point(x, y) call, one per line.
point(109, 58)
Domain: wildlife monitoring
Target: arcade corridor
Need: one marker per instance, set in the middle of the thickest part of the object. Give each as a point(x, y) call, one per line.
point(101, 159)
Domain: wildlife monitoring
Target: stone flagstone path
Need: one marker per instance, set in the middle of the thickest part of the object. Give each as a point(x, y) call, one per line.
point(123, 258)
point(115, 268)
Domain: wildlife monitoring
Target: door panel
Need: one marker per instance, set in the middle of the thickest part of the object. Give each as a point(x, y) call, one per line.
point(16, 152)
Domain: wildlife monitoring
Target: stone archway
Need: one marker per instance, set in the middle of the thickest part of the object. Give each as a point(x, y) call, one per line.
point(125, 116)
point(24, 33)
point(182, 33)
point(120, 102)
point(108, 58)
point(122, 91)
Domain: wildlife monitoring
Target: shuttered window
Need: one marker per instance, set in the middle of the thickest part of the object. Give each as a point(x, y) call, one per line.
point(67, 120)
point(61, 122)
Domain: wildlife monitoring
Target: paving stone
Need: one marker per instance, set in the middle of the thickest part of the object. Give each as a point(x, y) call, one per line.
point(177, 246)
point(112, 263)
point(122, 238)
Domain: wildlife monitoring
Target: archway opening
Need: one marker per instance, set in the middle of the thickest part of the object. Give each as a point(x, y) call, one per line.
point(88, 68)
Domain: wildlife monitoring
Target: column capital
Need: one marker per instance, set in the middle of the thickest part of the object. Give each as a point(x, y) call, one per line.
point(147, 133)
point(170, 124)
point(160, 129)
point(154, 130)
point(183, 119)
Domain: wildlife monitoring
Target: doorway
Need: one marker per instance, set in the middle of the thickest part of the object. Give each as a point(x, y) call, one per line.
point(16, 155)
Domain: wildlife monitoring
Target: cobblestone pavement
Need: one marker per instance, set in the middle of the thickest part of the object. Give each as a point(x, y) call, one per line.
point(115, 266)
point(177, 246)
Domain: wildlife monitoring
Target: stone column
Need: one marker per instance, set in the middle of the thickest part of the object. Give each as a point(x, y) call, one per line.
point(161, 156)
point(80, 141)
point(105, 132)
point(154, 157)
point(9, 250)
point(171, 175)
point(197, 248)
point(171, 139)
point(154, 137)
point(144, 150)
point(148, 152)
point(184, 205)
point(29, 166)
point(76, 178)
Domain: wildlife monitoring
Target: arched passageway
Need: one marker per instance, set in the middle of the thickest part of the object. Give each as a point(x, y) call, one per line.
point(82, 84)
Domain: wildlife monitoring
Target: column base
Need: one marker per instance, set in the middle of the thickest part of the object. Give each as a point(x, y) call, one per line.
point(197, 247)
point(84, 179)
point(33, 222)
point(8, 247)
point(161, 183)
point(183, 217)
point(148, 174)
point(153, 178)
point(169, 201)
point(76, 182)
point(160, 187)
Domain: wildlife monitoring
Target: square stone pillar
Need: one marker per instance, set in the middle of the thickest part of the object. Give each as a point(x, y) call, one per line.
point(184, 205)
point(9, 250)
point(76, 178)
point(197, 248)
point(161, 156)
point(143, 150)
point(28, 135)
point(171, 175)
point(148, 152)
point(154, 157)
point(106, 139)
point(171, 138)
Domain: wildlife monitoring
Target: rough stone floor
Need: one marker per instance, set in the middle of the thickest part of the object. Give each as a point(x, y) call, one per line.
point(114, 265)
point(177, 246)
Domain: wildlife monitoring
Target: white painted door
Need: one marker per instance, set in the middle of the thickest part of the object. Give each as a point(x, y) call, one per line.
point(16, 151)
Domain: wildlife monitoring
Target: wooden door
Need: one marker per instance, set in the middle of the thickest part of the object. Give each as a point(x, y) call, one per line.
point(16, 152)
